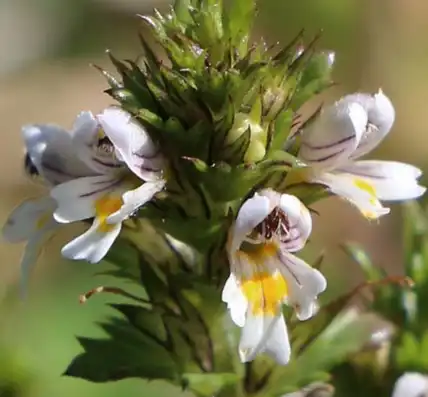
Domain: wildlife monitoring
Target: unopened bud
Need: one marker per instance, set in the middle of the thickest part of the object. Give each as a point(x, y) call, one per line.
point(257, 147)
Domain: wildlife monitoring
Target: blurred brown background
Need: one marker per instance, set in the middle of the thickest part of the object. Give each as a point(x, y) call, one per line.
point(46, 47)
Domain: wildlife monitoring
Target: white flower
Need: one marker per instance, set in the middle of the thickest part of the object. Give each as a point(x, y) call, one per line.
point(264, 273)
point(50, 154)
point(344, 132)
point(122, 153)
point(411, 385)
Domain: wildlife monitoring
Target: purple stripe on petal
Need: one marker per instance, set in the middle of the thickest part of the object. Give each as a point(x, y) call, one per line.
point(282, 260)
point(107, 164)
point(150, 169)
point(58, 171)
point(320, 159)
point(330, 145)
point(110, 186)
point(292, 240)
point(147, 156)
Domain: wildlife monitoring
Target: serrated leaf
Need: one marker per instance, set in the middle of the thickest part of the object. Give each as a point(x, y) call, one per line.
point(148, 321)
point(126, 354)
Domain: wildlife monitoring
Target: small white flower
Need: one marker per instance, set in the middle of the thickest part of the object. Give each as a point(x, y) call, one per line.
point(411, 385)
point(345, 131)
point(49, 150)
point(264, 273)
point(123, 155)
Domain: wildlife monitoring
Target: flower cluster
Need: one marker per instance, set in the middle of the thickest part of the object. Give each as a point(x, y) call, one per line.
point(108, 167)
point(104, 169)
point(205, 172)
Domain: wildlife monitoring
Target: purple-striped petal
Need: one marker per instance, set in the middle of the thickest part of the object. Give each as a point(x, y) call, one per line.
point(334, 136)
point(93, 147)
point(133, 143)
point(76, 200)
point(51, 151)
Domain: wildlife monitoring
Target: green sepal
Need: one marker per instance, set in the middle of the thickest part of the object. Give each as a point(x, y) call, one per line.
point(181, 10)
point(308, 193)
point(237, 19)
point(208, 385)
point(111, 80)
point(241, 178)
point(279, 131)
point(208, 28)
point(126, 98)
point(316, 77)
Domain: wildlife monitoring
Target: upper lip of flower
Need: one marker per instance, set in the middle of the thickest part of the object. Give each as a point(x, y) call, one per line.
point(347, 130)
point(271, 217)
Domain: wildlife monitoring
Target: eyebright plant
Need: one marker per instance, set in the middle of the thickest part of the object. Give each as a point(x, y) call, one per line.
point(196, 186)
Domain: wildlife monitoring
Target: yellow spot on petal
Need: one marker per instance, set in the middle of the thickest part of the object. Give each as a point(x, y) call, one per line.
point(367, 187)
point(265, 292)
point(104, 207)
point(373, 200)
point(264, 288)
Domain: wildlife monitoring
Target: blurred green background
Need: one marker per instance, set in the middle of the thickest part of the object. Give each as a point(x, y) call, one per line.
point(46, 47)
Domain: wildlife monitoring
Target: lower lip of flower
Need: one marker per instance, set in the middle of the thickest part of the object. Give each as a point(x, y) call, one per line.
point(265, 290)
point(104, 207)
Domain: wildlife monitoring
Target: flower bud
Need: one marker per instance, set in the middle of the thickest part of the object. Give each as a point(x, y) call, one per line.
point(257, 148)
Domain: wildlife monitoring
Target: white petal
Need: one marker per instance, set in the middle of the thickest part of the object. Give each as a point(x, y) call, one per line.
point(391, 180)
point(134, 199)
point(51, 150)
point(132, 142)
point(411, 384)
point(236, 301)
point(355, 190)
point(304, 285)
point(32, 221)
point(300, 222)
point(94, 244)
point(28, 218)
point(381, 116)
point(251, 213)
point(334, 136)
point(76, 199)
point(32, 251)
point(265, 334)
point(87, 135)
